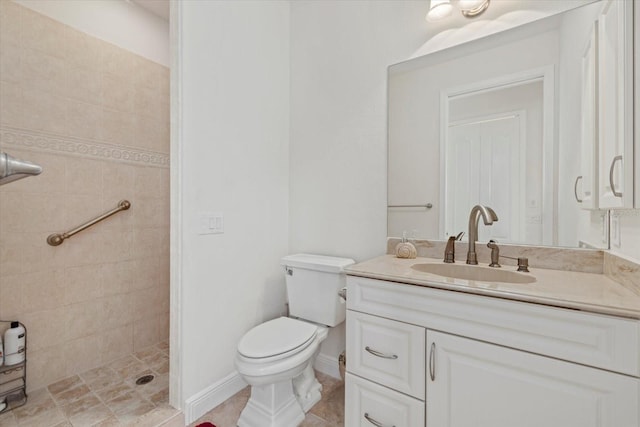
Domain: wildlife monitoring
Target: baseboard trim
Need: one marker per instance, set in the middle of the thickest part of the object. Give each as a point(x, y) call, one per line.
point(207, 399)
point(327, 365)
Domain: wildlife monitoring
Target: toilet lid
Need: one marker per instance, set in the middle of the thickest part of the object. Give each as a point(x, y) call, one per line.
point(277, 336)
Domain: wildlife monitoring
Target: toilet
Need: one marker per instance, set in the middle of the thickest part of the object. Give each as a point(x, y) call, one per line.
point(276, 357)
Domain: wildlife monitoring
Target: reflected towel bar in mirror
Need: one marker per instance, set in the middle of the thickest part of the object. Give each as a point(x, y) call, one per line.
point(427, 205)
point(56, 239)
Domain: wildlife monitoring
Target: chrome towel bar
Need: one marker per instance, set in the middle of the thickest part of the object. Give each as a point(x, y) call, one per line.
point(56, 239)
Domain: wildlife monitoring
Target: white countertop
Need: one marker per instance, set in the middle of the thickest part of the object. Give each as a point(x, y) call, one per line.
point(595, 293)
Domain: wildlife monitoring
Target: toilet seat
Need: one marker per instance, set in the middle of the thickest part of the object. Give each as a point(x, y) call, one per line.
point(277, 339)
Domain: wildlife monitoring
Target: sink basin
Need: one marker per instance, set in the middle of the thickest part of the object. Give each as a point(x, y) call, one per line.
point(474, 272)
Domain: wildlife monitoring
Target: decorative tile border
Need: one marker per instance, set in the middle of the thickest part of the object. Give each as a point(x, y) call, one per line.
point(30, 140)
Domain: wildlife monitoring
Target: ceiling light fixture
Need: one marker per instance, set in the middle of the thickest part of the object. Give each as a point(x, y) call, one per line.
point(439, 9)
point(473, 8)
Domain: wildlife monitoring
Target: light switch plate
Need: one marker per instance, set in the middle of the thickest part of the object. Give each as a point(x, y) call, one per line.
point(211, 223)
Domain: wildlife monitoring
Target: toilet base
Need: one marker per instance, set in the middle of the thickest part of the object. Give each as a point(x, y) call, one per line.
point(272, 405)
point(307, 388)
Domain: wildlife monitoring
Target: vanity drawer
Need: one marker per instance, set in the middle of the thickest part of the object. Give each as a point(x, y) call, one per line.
point(367, 403)
point(601, 341)
point(388, 352)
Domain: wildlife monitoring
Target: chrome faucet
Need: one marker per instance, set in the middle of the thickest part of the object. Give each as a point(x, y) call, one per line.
point(488, 216)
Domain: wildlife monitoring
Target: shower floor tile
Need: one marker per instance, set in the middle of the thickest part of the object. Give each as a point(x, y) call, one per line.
point(103, 397)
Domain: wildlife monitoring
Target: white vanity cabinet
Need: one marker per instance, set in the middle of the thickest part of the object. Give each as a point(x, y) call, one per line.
point(615, 105)
point(452, 359)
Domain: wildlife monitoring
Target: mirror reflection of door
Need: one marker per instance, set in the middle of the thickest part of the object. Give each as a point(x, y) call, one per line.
point(483, 167)
point(494, 158)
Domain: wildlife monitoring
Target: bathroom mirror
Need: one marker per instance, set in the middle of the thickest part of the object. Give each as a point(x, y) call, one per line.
point(495, 121)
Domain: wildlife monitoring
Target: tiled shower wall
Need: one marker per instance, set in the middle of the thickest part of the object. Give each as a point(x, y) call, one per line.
point(96, 118)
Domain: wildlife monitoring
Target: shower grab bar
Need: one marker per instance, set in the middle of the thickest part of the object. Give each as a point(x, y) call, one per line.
point(428, 206)
point(56, 239)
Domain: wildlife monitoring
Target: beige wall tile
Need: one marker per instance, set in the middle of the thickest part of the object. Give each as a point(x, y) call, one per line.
point(42, 33)
point(118, 311)
point(82, 50)
point(148, 182)
point(82, 284)
point(116, 343)
point(43, 72)
point(11, 104)
point(44, 111)
point(11, 210)
point(43, 290)
point(83, 319)
point(117, 92)
point(82, 249)
point(147, 272)
point(46, 366)
point(10, 22)
point(146, 332)
point(84, 84)
point(83, 354)
point(117, 277)
point(116, 60)
point(11, 299)
point(83, 176)
point(11, 253)
point(117, 127)
point(10, 61)
point(42, 212)
point(44, 328)
point(84, 120)
point(37, 255)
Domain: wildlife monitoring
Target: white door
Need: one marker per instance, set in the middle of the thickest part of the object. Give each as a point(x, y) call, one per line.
point(484, 167)
point(475, 384)
point(615, 104)
point(585, 186)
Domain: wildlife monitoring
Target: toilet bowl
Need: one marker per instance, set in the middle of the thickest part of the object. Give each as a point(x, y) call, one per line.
point(276, 357)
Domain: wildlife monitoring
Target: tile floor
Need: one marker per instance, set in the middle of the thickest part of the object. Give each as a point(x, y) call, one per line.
point(106, 396)
point(329, 412)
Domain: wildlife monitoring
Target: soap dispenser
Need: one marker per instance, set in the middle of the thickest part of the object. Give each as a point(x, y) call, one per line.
point(406, 249)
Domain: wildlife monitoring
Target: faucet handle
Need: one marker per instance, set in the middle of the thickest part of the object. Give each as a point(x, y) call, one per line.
point(459, 236)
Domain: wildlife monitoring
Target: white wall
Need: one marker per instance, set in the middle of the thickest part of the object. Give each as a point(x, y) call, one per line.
point(340, 51)
point(230, 154)
point(115, 21)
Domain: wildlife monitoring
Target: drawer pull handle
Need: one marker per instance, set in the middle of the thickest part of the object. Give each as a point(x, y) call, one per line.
point(377, 353)
point(373, 421)
point(432, 362)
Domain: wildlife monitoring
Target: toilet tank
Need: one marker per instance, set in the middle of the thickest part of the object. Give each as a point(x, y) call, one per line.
point(313, 283)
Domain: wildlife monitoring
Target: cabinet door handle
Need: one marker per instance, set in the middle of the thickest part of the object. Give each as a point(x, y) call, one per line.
point(432, 362)
point(613, 187)
point(383, 355)
point(373, 421)
point(575, 189)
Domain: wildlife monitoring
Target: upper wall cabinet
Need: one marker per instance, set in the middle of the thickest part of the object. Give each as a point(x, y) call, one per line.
point(615, 105)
